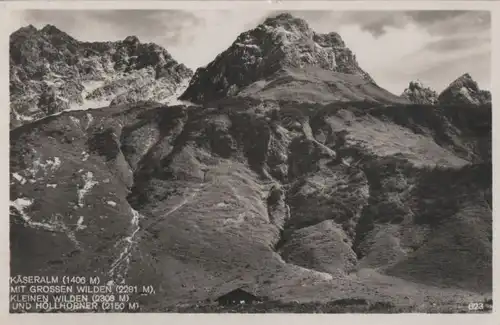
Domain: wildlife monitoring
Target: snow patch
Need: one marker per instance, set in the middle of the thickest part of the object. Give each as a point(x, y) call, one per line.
point(49, 82)
point(75, 120)
point(55, 224)
point(112, 203)
point(79, 224)
point(90, 119)
point(248, 45)
point(19, 178)
point(119, 268)
point(52, 185)
point(90, 86)
point(234, 221)
point(222, 205)
point(22, 118)
point(62, 99)
point(88, 105)
point(464, 91)
point(21, 203)
point(89, 184)
point(50, 164)
point(173, 99)
point(85, 156)
point(56, 163)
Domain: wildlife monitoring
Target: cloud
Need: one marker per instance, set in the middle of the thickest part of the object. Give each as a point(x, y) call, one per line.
point(386, 57)
point(395, 47)
point(478, 65)
point(453, 22)
point(398, 46)
point(152, 23)
point(117, 24)
point(457, 43)
point(436, 22)
point(374, 22)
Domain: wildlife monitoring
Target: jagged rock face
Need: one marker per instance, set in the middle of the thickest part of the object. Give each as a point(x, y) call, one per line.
point(51, 71)
point(278, 43)
point(464, 90)
point(419, 94)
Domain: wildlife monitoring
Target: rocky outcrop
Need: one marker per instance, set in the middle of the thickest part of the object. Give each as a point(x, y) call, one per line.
point(419, 94)
point(323, 247)
point(464, 90)
point(51, 71)
point(278, 43)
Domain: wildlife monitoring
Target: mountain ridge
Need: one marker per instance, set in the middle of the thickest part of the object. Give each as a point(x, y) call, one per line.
point(51, 71)
point(462, 90)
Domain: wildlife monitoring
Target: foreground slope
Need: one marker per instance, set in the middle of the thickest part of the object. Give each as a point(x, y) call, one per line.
point(198, 201)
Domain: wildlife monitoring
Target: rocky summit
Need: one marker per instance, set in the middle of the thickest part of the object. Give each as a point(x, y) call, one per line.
point(293, 176)
point(419, 94)
point(464, 90)
point(283, 53)
point(51, 71)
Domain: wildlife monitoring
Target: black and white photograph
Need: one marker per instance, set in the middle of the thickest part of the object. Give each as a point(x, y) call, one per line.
point(250, 161)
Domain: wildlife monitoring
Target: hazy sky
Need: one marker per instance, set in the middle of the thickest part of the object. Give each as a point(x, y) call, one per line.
point(394, 47)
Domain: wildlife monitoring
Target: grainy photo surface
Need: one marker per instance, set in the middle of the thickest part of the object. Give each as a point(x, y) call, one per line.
point(225, 161)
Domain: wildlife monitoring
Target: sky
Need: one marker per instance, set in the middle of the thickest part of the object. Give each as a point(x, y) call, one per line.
point(394, 47)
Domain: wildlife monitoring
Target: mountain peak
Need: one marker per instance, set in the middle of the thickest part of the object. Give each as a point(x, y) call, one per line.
point(29, 28)
point(465, 80)
point(51, 29)
point(465, 76)
point(132, 40)
point(287, 21)
point(280, 17)
point(464, 90)
point(24, 31)
point(53, 32)
point(280, 42)
point(416, 84)
point(418, 93)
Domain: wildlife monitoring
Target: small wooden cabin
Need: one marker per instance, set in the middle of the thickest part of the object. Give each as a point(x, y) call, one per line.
point(236, 297)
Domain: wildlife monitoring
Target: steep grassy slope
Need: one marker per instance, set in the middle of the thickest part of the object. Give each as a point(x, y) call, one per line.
point(317, 86)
